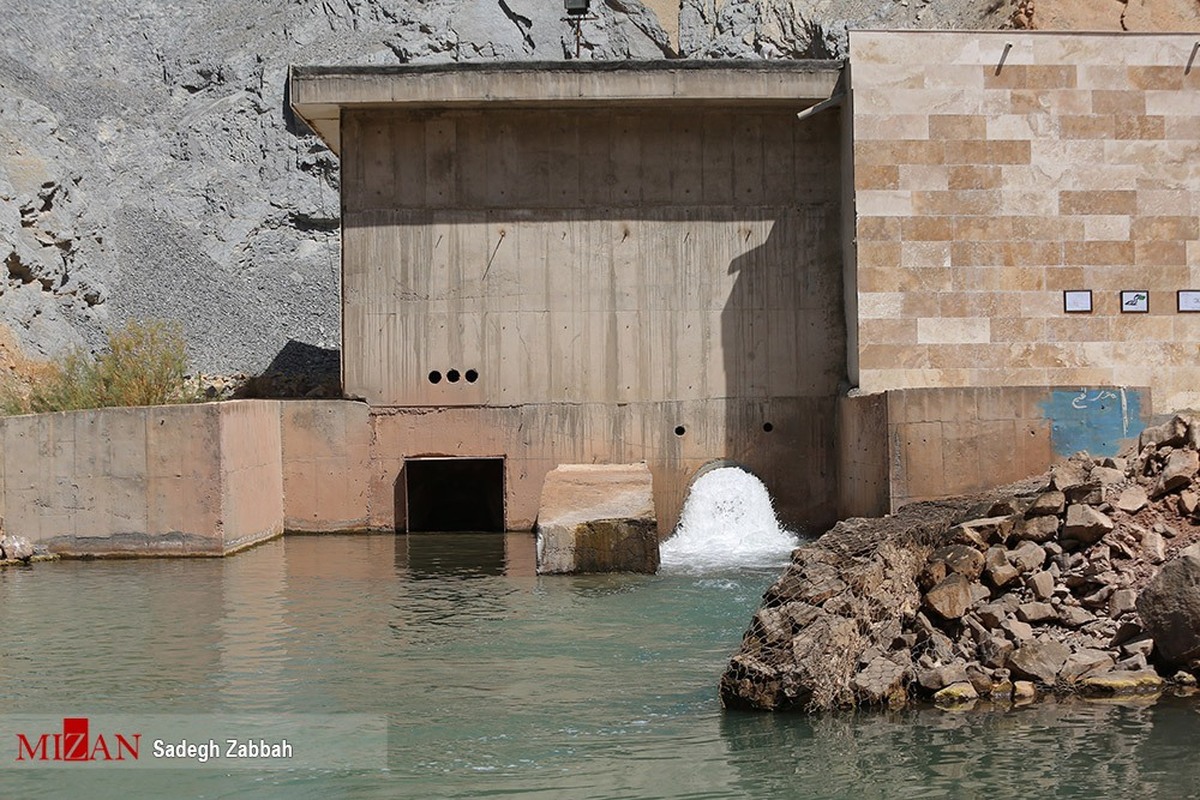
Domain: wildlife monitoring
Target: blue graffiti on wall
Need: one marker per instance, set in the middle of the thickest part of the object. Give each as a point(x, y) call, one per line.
point(1095, 420)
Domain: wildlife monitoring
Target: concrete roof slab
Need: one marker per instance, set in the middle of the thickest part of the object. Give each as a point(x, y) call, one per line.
point(319, 94)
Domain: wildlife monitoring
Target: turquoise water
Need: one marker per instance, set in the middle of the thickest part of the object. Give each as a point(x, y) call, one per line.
point(496, 682)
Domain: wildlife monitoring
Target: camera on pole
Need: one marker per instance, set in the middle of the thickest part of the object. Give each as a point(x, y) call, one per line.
point(578, 11)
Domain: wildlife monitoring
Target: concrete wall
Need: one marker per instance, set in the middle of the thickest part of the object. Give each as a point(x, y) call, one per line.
point(208, 479)
point(907, 445)
point(795, 458)
point(326, 448)
point(168, 480)
point(864, 465)
point(251, 473)
point(590, 256)
point(607, 275)
point(995, 170)
point(322, 96)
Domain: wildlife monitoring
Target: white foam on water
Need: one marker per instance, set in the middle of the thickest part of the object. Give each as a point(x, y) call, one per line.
point(727, 521)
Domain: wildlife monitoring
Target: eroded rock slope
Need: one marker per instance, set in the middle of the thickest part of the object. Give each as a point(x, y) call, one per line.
point(149, 166)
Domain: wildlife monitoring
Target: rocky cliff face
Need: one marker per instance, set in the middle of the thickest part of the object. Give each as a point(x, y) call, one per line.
point(149, 166)
point(814, 28)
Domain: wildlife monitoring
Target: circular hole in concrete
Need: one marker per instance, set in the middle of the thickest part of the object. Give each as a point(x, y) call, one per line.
point(471, 376)
point(768, 427)
point(435, 377)
point(452, 376)
point(680, 430)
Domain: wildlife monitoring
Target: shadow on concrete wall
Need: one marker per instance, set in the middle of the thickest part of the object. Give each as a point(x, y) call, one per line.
point(504, 205)
point(784, 343)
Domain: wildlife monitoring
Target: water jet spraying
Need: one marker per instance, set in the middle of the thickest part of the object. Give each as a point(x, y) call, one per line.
point(727, 521)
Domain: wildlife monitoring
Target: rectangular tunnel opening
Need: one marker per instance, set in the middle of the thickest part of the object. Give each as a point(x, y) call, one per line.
point(454, 494)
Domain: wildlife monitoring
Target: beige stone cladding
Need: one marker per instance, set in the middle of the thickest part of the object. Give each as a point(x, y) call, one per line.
point(995, 170)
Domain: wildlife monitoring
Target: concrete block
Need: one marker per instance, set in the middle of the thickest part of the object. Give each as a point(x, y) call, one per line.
point(862, 455)
point(597, 518)
point(167, 480)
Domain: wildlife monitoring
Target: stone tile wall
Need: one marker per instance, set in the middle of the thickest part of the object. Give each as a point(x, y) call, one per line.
point(993, 171)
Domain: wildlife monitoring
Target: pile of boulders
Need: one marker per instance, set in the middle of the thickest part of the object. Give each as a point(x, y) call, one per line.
point(1083, 583)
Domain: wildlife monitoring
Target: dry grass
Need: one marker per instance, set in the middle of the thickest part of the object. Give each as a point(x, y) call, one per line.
point(145, 363)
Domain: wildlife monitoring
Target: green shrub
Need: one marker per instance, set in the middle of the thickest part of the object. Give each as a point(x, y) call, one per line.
point(145, 363)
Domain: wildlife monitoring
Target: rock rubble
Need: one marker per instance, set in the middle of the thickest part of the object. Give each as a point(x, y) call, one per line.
point(16, 550)
point(1086, 582)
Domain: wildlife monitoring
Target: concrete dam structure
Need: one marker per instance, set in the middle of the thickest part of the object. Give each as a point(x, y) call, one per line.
point(577, 264)
point(938, 266)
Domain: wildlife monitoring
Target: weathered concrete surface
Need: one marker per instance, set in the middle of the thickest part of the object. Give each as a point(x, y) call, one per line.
point(597, 518)
point(321, 95)
point(326, 465)
point(165, 480)
point(908, 445)
point(498, 276)
point(534, 439)
point(864, 469)
point(251, 474)
point(518, 270)
point(210, 477)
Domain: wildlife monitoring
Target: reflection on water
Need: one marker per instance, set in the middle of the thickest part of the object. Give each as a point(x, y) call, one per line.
point(463, 555)
point(498, 681)
point(1073, 748)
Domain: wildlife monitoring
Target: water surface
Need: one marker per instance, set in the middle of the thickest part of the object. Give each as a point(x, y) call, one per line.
point(497, 682)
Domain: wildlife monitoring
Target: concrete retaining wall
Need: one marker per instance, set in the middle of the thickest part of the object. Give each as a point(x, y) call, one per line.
point(210, 479)
point(795, 458)
point(943, 442)
point(165, 480)
point(863, 475)
point(326, 466)
point(577, 283)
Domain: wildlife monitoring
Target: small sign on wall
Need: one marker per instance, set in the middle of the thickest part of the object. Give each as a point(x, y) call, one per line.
point(1135, 301)
point(1077, 301)
point(1188, 300)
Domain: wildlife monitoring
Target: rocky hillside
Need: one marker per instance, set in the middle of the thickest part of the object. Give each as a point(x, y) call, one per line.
point(149, 166)
point(1089, 582)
